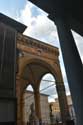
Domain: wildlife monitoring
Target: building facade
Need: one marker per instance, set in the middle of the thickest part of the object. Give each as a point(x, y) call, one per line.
point(56, 109)
point(28, 99)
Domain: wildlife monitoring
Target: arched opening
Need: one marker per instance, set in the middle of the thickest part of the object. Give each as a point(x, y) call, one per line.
point(32, 74)
point(50, 110)
point(27, 100)
point(47, 86)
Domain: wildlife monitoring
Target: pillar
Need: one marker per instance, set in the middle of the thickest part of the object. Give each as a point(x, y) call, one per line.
point(19, 100)
point(37, 104)
point(73, 66)
point(62, 97)
point(7, 73)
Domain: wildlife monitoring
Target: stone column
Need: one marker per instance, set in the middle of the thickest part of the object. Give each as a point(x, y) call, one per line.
point(73, 66)
point(37, 104)
point(62, 97)
point(19, 100)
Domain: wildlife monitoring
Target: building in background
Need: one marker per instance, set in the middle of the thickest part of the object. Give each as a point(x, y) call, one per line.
point(28, 99)
point(56, 109)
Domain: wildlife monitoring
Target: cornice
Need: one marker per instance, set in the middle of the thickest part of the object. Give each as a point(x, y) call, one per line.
point(40, 46)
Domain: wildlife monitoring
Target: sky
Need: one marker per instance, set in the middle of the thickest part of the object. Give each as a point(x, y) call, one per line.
point(39, 27)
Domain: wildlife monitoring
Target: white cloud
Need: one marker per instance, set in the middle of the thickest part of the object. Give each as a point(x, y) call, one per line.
point(25, 14)
point(44, 28)
point(40, 27)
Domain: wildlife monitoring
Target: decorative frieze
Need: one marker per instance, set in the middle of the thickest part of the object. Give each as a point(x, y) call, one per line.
point(40, 46)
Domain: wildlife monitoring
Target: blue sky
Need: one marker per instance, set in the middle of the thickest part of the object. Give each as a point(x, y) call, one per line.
point(36, 20)
point(11, 7)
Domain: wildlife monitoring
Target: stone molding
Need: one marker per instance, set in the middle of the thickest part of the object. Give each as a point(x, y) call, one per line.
point(40, 46)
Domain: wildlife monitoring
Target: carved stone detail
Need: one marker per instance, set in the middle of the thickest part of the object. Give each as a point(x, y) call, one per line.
point(33, 43)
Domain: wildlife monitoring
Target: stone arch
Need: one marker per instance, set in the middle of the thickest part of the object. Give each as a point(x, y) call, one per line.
point(26, 61)
point(34, 53)
point(52, 68)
